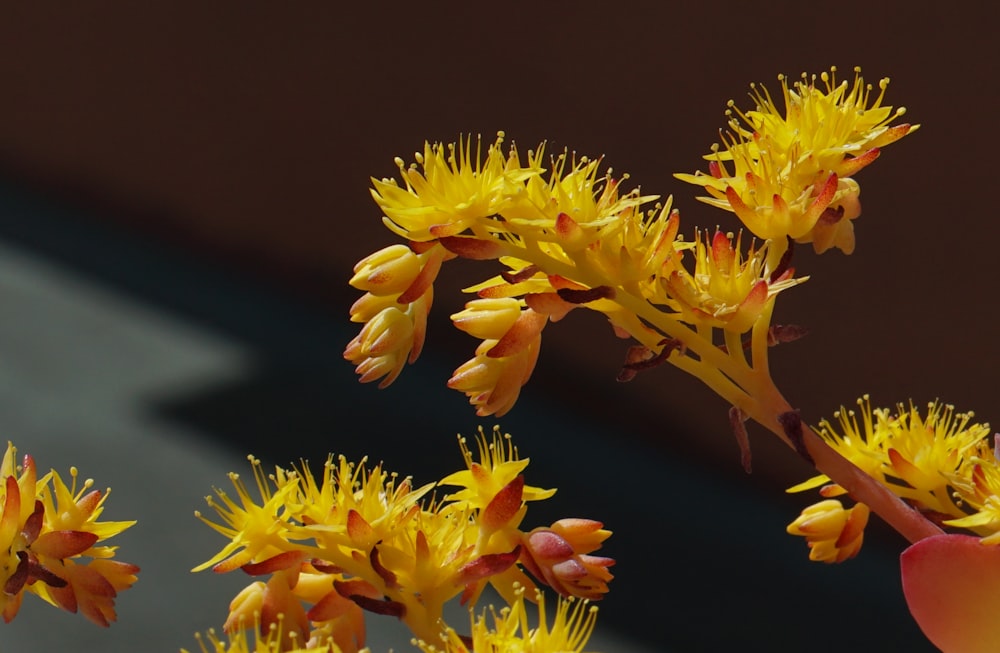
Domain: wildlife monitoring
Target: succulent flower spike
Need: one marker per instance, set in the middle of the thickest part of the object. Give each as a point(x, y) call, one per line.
point(567, 236)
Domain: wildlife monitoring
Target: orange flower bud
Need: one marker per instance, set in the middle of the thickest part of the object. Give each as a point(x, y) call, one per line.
point(832, 533)
point(557, 556)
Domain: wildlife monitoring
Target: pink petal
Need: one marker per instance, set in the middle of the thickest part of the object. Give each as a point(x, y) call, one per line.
point(952, 585)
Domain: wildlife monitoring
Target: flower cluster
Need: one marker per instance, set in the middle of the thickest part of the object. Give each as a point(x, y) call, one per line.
point(52, 543)
point(790, 173)
point(945, 466)
point(941, 463)
point(360, 539)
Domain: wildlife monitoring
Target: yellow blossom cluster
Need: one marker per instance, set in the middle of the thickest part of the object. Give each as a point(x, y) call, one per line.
point(789, 174)
point(940, 462)
point(360, 539)
point(567, 240)
point(52, 544)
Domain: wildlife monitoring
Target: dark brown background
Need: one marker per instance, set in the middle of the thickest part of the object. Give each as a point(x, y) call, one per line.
point(244, 134)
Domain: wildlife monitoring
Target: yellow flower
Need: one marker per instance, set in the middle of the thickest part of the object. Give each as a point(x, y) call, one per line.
point(572, 209)
point(827, 124)
point(498, 466)
point(832, 533)
point(791, 170)
point(917, 457)
point(49, 536)
point(641, 252)
point(429, 558)
point(726, 290)
point(979, 488)
point(455, 189)
point(514, 631)
point(359, 539)
point(354, 507)
point(255, 531)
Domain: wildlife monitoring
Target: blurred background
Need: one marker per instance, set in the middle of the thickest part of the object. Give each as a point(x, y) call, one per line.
point(184, 191)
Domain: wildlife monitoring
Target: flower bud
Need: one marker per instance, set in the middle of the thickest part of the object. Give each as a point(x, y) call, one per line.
point(245, 608)
point(557, 556)
point(388, 271)
point(382, 347)
point(389, 331)
point(493, 384)
point(832, 533)
point(368, 306)
point(488, 319)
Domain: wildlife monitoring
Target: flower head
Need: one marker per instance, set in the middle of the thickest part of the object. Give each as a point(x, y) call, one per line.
point(725, 289)
point(497, 467)
point(360, 539)
point(574, 208)
point(791, 170)
point(50, 543)
point(917, 456)
point(979, 488)
point(255, 530)
point(453, 188)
